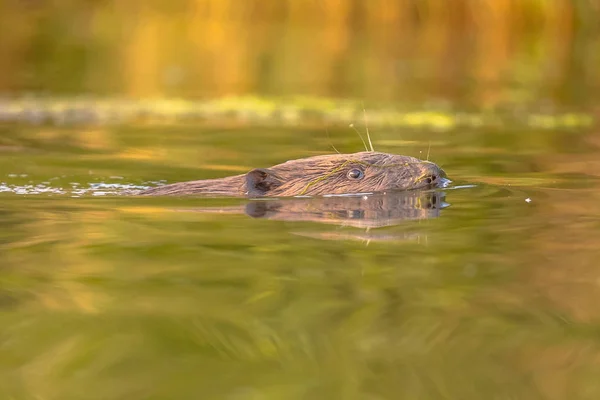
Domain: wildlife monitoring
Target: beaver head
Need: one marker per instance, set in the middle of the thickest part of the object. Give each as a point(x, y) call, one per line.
point(364, 172)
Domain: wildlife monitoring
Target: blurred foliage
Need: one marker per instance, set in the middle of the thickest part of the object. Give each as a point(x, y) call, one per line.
point(288, 112)
point(483, 52)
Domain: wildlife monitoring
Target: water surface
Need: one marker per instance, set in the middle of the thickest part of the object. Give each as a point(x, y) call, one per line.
point(107, 295)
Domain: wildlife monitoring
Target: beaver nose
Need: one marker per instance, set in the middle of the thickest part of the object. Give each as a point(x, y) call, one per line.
point(436, 176)
point(438, 180)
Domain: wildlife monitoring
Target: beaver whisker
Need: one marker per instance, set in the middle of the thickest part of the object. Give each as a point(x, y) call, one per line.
point(428, 150)
point(330, 142)
point(360, 136)
point(367, 127)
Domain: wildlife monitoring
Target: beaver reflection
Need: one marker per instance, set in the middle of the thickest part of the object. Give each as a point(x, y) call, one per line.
point(365, 212)
point(372, 211)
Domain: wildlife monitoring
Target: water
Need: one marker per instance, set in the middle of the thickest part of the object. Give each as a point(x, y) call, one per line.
point(105, 295)
point(486, 289)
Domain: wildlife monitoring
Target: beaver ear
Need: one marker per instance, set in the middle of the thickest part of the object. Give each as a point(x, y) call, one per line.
point(261, 181)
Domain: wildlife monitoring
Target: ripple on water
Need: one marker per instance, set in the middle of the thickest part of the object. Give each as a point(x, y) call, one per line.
point(72, 189)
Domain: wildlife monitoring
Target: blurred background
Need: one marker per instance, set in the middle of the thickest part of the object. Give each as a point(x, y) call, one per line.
point(481, 52)
point(104, 295)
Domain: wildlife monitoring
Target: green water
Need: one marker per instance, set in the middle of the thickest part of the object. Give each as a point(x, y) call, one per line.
point(108, 296)
point(484, 290)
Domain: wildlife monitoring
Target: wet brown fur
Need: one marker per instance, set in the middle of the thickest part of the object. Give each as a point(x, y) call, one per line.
point(316, 176)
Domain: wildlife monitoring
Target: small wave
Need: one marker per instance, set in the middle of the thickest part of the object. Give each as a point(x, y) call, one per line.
point(74, 189)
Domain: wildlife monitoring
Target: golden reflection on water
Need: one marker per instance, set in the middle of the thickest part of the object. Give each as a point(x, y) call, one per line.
point(112, 296)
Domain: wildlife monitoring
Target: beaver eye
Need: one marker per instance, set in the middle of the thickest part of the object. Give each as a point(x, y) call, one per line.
point(355, 174)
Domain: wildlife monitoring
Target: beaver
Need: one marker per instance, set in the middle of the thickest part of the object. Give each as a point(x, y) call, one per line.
point(333, 174)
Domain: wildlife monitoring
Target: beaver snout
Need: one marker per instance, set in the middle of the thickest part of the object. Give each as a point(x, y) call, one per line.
point(437, 181)
point(434, 177)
